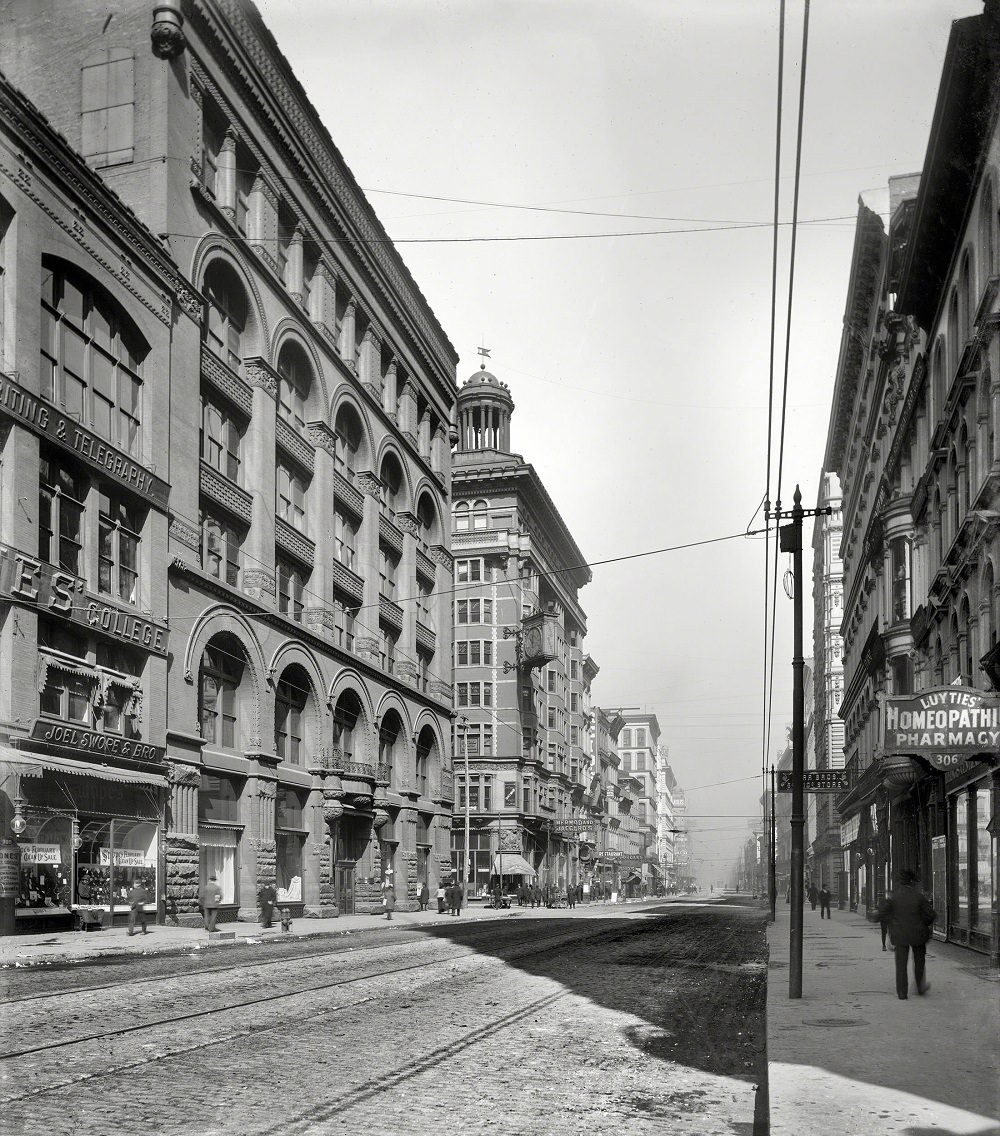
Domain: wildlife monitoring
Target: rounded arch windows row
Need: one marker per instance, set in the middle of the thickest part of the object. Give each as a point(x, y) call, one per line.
point(233, 332)
point(234, 715)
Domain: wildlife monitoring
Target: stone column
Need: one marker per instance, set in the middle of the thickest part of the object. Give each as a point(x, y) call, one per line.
point(258, 564)
point(425, 435)
point(323, 298)
point(369, 362)
point(439, 450)
point(389, 389)
point(259, 860)
point(347, 326)
point(319, 616)
point(181, 856)
point(264, 214)
point(367, 634)
point(406, 579)
point(407, 422)
point(225, 180)
point(294, 267)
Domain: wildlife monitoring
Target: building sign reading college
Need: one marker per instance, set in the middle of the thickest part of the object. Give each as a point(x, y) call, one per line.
point(33, 581)
point(944, 725)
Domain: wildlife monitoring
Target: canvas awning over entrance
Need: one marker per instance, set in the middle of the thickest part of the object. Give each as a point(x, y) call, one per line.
point(28, 764)
point(512, 864)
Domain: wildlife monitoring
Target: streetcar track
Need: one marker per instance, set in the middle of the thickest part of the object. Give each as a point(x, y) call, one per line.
point(536, 948)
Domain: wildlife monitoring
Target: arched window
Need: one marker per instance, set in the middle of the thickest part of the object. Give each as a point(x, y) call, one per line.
point(427, 519)
point(345, 724)
point(294, 383)
point(290, 697)
point(938, 380)
point(226, 319)
point(965, 301)
point(462, 519)
point(965, 644)
point(991, 601)
point(391, 476)
point(91, 356)
point(425, 746)
point(223, 665)
point(349, 437)
point(480, 516)
point(966, 482)
point(987, 252)
point(953, 344)
point(937, 529)
point(388, 741)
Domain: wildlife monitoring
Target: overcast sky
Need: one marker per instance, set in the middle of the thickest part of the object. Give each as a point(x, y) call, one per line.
point(639, 365)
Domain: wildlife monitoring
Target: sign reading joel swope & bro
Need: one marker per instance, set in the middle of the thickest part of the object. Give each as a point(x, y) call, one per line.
point(944, 725)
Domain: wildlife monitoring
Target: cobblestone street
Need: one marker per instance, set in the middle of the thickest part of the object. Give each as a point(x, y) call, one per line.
point(641, 1019)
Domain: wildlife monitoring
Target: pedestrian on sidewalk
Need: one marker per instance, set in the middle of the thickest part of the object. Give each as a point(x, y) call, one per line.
point(210, 896)
point(425, 895)
point(883, 916)
point(457, 897)
point(813, 895)
point(267, 897)
point(388, 898)
point(910, 916)
point(571, 896)
point(442, 896)
point(137, 900)
point(824, 901)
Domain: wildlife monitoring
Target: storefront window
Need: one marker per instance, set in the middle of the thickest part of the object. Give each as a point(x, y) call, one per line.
point(984, 874)
point(962, 859)
point(114, 856)
point(290, 838)
point(219, 798)
point(46, 865)
point(219, 847)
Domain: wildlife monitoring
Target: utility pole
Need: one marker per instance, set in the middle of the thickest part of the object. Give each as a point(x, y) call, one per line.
point(791, 541)
point(773, 849)
point(463, 725)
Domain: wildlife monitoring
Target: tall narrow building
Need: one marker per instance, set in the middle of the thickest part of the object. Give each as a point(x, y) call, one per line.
point(522, 768)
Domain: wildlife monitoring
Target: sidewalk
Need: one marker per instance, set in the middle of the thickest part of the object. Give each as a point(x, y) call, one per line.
point(41, 949)
point(851, 1059)
point(77, 946)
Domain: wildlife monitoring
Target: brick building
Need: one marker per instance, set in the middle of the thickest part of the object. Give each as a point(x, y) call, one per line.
point(298, 425)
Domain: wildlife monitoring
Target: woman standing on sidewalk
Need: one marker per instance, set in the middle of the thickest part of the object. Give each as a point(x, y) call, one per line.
point(910, 917)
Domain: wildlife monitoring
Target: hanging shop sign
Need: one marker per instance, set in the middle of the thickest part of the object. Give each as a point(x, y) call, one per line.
point(621, 857)
point(28, 580)
point(945, 725)
point(573, 827)
point(816, 780)
point(10, 869)
point(70, 736)
point(47, 421)
point(849, 830)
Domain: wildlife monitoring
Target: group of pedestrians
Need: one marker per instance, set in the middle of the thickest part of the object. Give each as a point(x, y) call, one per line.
point(821, 895)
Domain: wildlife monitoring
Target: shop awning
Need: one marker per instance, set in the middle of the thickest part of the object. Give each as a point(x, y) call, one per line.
point(512, 864)
point(31, 765)
point(633, 877)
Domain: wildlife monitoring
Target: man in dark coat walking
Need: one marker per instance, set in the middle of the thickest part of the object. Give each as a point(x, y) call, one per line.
point(910, 917)
point(813, 895)
point(824, 902)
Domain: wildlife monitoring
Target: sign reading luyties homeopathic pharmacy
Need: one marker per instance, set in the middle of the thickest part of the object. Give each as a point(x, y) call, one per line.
point(49, 422)
point(945, 725)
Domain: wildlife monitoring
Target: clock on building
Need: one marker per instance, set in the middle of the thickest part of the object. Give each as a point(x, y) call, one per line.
point(533, 642)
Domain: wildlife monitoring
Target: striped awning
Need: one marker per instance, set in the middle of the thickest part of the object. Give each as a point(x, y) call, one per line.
point(26, 764)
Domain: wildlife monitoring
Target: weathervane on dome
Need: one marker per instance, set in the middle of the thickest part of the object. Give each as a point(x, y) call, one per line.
point(485, 353)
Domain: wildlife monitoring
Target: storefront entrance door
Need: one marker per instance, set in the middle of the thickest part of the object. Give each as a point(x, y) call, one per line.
point(345, 889)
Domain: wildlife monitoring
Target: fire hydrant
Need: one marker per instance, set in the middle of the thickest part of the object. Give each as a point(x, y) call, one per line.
point(286, 920)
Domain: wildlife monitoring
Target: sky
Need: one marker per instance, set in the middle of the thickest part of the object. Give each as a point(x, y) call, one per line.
point(640, 365)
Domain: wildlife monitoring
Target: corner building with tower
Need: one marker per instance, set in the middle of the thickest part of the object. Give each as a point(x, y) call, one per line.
point(268, 397)
point(526, 788)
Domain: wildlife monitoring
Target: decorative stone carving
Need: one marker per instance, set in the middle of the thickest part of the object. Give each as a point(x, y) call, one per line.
point(178, 774)
point(408, 523)
point(368, 483)
point(190, 302)
point(441, 554)
point(322, 437)
point(258, 375)
point(167, 34)
point(332, 811)
point(380, 819)
point(267, 790)
point(258, 578)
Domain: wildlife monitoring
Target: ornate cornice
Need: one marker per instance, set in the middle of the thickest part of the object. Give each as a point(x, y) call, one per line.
point(321, 436)
point(281, 104)
point(260, 373)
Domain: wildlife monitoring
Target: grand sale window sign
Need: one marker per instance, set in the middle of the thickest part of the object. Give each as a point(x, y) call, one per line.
point(945, 725)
